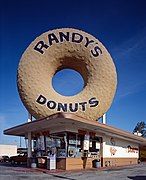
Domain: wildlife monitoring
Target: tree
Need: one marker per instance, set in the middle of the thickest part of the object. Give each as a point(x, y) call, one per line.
point(140, 128)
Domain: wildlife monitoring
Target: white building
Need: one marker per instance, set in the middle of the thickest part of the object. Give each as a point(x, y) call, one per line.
point(8, 150)
point(78, 142)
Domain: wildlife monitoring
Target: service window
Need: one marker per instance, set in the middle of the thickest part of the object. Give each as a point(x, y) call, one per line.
point(75, 143)
point(94, 144)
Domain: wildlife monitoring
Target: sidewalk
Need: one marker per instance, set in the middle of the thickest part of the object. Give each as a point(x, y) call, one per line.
point(134, 172)
point(110, 168)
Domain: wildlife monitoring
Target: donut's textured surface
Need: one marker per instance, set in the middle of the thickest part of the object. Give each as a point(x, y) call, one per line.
point(36, 70)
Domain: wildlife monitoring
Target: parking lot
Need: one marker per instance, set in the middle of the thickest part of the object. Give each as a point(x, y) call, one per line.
point(134, 172)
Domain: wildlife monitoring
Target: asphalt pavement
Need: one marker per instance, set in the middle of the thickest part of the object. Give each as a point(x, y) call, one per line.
point(133, 172)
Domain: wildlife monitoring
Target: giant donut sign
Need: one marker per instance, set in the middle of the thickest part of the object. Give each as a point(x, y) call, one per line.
point(66, 48)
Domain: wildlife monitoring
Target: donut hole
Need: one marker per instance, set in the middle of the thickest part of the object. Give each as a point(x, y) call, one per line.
point(68, 82)
point(75, 63)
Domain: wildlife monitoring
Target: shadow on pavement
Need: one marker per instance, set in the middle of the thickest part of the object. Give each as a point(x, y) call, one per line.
point(62, 177)
point(137, 177)
point(8, 164)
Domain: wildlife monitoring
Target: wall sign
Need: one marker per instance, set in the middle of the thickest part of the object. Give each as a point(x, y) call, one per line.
point(131, 149)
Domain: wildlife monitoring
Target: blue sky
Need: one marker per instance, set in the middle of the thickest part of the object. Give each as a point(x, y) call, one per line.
point(119, 25)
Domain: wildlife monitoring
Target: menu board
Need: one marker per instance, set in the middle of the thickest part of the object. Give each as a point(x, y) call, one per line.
point(50, 142)
point(73, 140)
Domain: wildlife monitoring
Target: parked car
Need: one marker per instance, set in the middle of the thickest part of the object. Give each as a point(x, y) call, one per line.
point(4, 158)
point(19, 159)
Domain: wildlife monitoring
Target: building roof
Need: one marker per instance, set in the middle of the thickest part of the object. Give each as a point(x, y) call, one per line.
point(68, 119)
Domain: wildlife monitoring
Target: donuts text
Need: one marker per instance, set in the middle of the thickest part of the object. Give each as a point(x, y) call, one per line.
point(65, 107)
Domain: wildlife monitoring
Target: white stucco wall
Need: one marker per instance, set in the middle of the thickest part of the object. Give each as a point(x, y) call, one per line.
point(118, 148)
point(8, 150)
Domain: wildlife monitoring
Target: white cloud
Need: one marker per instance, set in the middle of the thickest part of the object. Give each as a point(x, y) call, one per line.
point(2, 118)
point(131, 45)
point(130, 57)
point(135, 88)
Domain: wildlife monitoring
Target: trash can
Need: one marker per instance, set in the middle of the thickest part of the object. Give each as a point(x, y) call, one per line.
point(33, 163)
point(42, 162)
point(96, 163)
